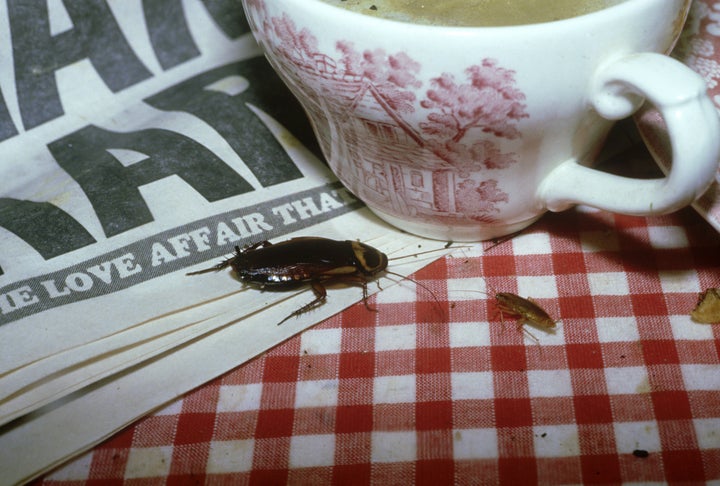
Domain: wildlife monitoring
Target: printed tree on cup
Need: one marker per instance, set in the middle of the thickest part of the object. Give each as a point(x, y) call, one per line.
point(489, 102)
point(389, 77)
point(478, 200)
point(299, 45)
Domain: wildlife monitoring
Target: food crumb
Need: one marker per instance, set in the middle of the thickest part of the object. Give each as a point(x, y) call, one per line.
point(707, 309)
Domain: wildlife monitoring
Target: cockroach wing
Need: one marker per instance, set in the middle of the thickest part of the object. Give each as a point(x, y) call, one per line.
point(295, 261)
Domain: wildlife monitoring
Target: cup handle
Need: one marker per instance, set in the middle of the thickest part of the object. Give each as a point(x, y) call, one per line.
point(693, 126)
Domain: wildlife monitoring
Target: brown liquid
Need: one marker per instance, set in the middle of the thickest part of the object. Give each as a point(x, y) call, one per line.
point(475, 12)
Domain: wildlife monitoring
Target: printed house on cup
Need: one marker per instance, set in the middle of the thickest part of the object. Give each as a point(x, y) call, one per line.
point(382, 179)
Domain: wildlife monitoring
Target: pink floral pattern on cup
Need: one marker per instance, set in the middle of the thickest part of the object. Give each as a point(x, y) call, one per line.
point(405, 140)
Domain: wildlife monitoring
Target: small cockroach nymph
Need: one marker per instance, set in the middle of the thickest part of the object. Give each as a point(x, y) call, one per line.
point(310, 260)
point(524, 311)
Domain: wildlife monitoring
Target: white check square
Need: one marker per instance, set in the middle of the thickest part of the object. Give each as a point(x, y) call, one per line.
point(556, 440)
point(235, 398)
point(145, 462)
point(394, 446)
point(321, 341)
point(388, 338)
point(476, 385)
point(394, 389)
point(668, 237)
point(404, 291)
point(475, 444)
point(537, 287)
point(617, 329)
point(230, 456)
point(466, 289)
point(701, 377)
point(608, 283)
point(316, 393)
point(549, 383)
point(312, 450)
point(532, 244)
point(631, 436)
point(684, 328)
point(629, 380)
point(679, 281)
point(469, 334)
point(708, 433)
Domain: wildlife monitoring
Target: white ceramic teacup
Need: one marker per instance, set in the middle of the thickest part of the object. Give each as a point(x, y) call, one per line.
point(469, 133)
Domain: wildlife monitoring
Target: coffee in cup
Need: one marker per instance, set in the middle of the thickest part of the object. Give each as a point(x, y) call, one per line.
point(474, 12)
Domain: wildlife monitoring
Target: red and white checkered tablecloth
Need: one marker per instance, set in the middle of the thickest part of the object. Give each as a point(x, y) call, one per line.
point(440, 392)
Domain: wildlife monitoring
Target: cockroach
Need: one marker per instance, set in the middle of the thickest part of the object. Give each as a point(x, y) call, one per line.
point(524, 310)
point(308, 260)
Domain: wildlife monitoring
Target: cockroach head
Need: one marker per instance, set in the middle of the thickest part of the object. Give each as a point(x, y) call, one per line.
point(370, 260)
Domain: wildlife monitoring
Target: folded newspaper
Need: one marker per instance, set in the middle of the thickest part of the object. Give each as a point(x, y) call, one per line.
point(140, 141)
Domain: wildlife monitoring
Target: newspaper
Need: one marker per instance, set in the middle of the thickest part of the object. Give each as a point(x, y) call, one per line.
point(140, 141)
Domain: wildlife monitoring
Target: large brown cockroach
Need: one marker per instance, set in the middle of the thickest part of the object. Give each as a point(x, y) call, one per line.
point(309, 260)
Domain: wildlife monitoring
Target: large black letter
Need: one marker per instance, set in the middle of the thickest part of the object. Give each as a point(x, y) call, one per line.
point(7, 127)
point(45, 227)
point(229, 16)
point(169, 32)
point(112, 188)
point(227, 112)
point(37, 54)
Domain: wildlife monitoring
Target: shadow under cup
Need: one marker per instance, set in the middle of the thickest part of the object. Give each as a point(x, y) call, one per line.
point(466, 134)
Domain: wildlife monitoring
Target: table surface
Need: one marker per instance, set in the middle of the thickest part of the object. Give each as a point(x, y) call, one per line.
point(437, 387)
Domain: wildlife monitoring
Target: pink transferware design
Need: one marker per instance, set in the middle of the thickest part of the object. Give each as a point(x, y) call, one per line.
point(412, 153)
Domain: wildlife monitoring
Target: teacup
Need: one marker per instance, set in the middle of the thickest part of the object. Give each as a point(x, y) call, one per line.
point(470, 133)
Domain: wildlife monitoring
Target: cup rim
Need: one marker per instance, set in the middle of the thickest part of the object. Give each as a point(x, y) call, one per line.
point(619, 9)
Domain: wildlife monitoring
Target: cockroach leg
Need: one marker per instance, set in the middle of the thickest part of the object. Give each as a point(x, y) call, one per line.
point(228, 261)
point(362, 282)
point(320, 292)
point(320, 296)
point(223, 264)
point(520, 320)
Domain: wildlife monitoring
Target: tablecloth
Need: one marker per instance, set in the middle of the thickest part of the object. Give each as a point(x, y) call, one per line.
point(437, 387)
